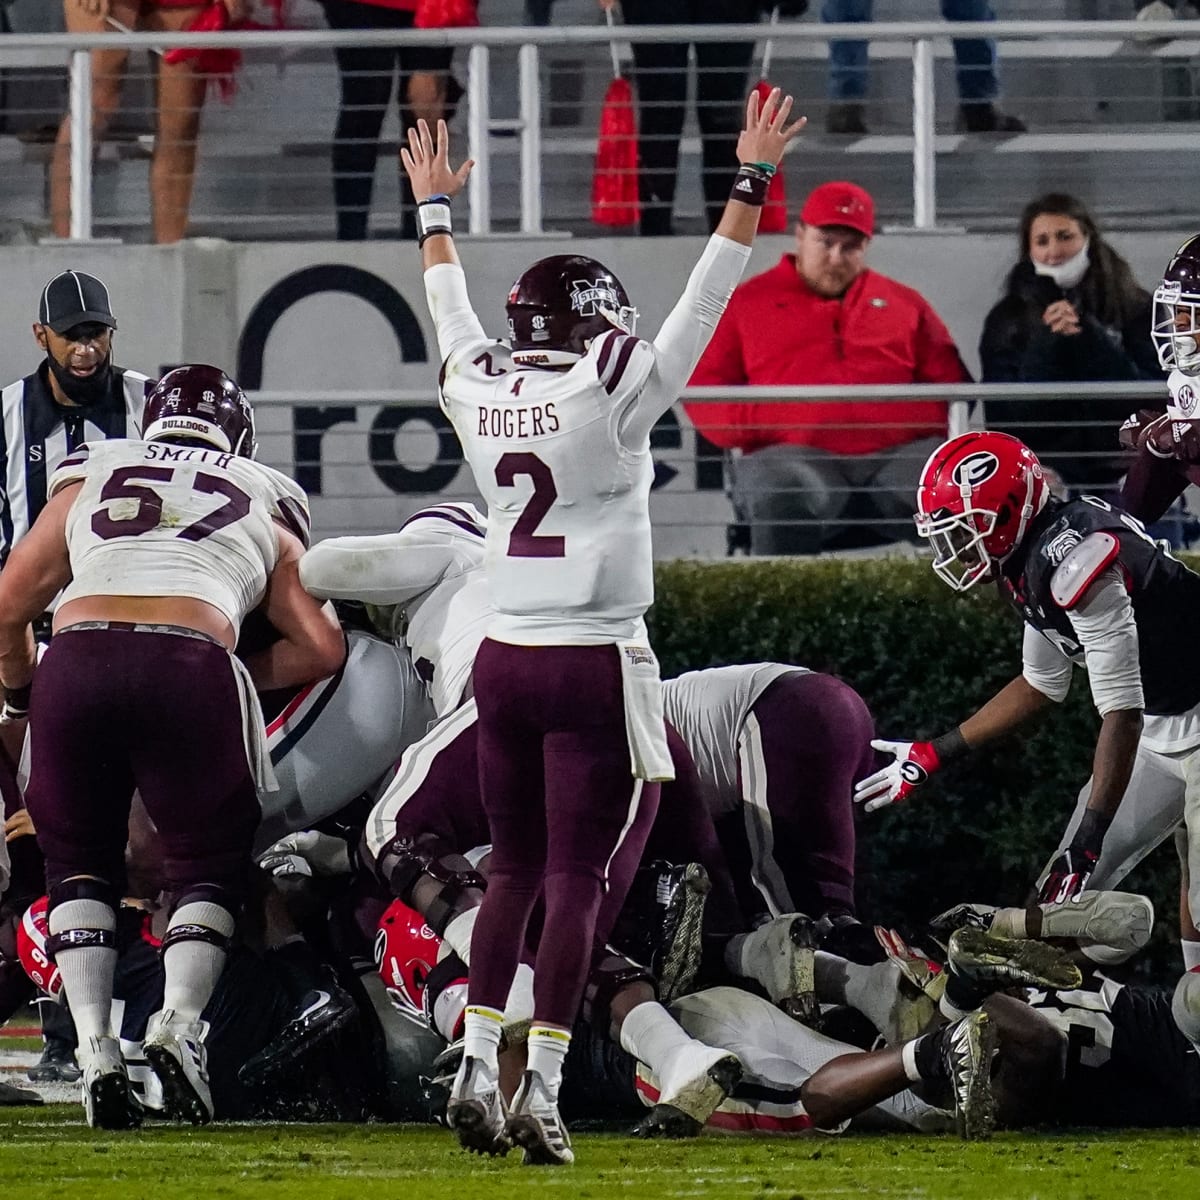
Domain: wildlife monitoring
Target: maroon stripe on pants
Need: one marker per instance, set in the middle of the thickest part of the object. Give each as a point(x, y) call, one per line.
point(115, 710)
point(816, 736)
point(556, 784)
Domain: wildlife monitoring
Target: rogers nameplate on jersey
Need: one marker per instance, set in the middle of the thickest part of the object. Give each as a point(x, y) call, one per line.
point(534, 420)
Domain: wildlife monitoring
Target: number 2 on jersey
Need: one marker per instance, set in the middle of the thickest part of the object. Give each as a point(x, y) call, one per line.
point(523, 542)
point(129, 483)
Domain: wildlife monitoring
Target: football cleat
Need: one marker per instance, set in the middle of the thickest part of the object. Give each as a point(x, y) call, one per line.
point(681, 892)
point(475, 1110)
point(535, 1126)
point(780, 956)
point(968, 1048)
point(15, 1097)
point(176, 1053)
point(57, 1064)
point(692, 1085)
point(321, 1014)
point(975, 916)
point(108, 1101)
point(1010, 962)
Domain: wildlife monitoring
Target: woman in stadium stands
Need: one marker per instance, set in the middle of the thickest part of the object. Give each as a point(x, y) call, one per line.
point(1071, 311)
point(181, 90)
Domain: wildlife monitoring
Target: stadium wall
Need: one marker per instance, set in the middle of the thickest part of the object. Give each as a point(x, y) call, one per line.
point(328, 317)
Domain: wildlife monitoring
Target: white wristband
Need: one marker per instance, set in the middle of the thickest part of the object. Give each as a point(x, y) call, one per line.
point(433, 216)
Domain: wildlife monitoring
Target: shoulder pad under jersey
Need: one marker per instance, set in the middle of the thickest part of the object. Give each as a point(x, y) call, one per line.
point(288, 501)
point(619, 359)
point(1081, 567)
point(1183, 403)
point(72, 469)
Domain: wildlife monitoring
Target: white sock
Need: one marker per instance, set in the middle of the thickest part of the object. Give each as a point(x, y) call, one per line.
point(458, 934)
point(192, 967)
point(547, 1053)
point(87, 971)
point(652, 1035)
point(1191, 954)
point(481, 1035)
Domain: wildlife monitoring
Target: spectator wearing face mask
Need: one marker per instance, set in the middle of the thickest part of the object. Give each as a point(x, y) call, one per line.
point(1071, 312)
point(75, 395)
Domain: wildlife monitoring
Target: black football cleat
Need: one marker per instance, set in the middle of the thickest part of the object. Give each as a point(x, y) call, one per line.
point(57, 1064)
point(321, 1014)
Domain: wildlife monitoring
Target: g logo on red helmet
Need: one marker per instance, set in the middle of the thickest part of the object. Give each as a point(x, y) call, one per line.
point(975, 469)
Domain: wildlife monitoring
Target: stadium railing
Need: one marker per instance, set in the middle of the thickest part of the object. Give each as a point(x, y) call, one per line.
point(370, 458)
point(922, 43)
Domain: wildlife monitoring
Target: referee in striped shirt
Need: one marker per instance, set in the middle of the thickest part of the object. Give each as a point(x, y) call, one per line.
point(76, 395)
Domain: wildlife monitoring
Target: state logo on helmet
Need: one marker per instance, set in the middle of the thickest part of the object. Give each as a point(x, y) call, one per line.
point(32, 932)
point(1175, 325)
point(406, 950)
point(977, 495)
point(199, 403)
point(559, 305)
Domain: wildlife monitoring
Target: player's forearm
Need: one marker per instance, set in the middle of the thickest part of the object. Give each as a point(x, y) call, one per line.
point(1010, 707)
point(1112, 764)
point(739, 222)
point(449, 304)
point(296, 661)
point(389, 568)
point(18, 655)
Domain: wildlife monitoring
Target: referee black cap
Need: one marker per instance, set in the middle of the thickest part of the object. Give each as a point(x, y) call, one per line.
point(74, 298)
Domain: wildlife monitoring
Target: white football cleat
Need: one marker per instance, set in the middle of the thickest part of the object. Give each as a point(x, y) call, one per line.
point(692, 1083)
point(176, 1054)
point(476, 1111)
point(780, 956)
point(535, 1126)
point(108, 1100)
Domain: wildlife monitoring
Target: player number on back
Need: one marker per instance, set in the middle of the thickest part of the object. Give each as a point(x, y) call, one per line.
point(523, 542)
point(131, 483)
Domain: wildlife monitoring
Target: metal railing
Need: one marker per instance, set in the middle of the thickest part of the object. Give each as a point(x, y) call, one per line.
point(370, 458)
point(923, 41)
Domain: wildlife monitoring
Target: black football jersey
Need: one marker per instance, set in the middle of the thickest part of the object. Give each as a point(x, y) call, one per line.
point(1127, 1062)
point(1164, 594)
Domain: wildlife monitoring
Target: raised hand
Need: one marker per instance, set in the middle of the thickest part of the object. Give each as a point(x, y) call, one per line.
point(428, 163)
point(767, 132)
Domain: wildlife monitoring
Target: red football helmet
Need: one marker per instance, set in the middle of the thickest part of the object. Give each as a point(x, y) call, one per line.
point(977, 495)
point(32, 933)
point(406, 950)
point(203, 404)
point(559, 305)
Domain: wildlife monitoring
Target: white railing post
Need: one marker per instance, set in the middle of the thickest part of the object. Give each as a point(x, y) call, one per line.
point(531, 139)
point(81, 145)
point(924, 149)
point(479, 185)
point(959, 420)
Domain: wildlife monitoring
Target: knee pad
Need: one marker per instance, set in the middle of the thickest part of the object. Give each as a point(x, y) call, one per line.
point(82, 915)
point(402, 862)
point(1185, 1006)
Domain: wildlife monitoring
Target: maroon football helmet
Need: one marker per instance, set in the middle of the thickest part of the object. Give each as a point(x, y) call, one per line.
point(559, 305)
point(200, 403)
point(1175, 328)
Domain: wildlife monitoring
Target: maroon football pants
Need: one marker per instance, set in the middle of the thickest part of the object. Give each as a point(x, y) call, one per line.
point(118, 709)
point(561, 804)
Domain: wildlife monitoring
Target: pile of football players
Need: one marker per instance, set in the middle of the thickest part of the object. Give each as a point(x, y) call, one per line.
point(314, 963)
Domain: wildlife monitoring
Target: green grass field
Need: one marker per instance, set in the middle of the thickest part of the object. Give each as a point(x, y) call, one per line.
point(48, 1153)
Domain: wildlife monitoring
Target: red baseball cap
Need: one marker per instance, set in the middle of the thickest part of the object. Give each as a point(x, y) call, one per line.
point(840, 203)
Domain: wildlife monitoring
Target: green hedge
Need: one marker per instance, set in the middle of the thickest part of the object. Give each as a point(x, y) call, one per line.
point(923, 658)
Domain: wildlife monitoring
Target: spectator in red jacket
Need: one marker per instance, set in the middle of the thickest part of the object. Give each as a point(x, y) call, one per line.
point(821, 316)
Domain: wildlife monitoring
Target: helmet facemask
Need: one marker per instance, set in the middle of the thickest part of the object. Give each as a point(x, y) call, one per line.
point(1175, 328)
point(960, 558)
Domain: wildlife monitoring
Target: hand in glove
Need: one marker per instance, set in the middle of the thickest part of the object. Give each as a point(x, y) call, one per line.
point(1069, 875)
point(307, 853)
point(915, 762)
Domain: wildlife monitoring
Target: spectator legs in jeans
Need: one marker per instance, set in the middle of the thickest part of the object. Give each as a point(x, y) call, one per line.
point(721, 89)
point(975, 60)
point(661, 82)
point(793, 497)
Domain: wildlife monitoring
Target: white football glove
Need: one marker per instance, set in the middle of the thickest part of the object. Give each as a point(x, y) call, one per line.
point(915, 762)
point(307, 853)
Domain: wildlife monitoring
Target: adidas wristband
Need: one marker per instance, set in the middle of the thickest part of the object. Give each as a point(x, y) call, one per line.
point(16, 703)
point(750, 186)
point(433, 217)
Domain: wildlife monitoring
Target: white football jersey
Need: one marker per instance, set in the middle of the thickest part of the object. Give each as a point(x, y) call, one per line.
point(1183, 402)
point(155, 519)
point(568, 543)
point(425, 585)
point(709, 709)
